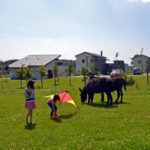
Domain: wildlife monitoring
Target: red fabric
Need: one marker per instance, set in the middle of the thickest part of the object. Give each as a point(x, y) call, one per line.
point(64, 96)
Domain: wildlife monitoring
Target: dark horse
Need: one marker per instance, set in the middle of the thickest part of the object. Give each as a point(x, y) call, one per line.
point(101, 85)
point(117, 84)
point(96, 85)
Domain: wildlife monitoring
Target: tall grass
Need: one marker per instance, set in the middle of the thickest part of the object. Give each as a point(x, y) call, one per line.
point(93, 127)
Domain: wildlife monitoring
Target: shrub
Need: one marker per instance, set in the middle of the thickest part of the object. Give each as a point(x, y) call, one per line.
point(129, 80)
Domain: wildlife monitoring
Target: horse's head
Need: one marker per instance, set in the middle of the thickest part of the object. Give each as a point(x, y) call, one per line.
point(83, 95)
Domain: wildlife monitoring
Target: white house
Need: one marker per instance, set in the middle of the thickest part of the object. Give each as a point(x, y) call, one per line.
point(34, 61)
point(87, 60)
point(63, 66)
point(140, 61)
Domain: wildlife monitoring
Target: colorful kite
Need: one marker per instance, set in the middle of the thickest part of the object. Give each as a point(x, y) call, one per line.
point(64, 97)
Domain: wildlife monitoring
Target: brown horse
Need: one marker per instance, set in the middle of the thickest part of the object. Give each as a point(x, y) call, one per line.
point(96, 85)
point(103, 85)
point(118, 83)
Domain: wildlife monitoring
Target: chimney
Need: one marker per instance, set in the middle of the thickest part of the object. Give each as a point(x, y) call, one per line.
point(101, 53)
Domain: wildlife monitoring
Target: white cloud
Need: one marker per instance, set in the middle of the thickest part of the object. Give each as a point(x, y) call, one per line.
point(133, 0)
point(144, 1)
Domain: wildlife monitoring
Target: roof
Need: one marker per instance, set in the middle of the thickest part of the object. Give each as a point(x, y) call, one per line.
point(118, 61)
point(93, 54)
point(139, 56)
point(34, 60)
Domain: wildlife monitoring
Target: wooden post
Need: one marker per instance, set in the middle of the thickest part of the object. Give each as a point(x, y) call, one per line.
point(148, 64)
point(147, 76)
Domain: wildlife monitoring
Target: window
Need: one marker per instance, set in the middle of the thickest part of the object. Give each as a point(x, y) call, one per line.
point(83, 60)
point(139, 62)
point(59, 63)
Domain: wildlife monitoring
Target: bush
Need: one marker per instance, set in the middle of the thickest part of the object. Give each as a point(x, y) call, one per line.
point(129, 80)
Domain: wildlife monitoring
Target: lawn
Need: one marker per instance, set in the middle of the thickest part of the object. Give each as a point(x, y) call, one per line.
point(123, 126)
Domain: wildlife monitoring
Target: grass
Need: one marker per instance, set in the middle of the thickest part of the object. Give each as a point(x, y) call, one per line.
point(121, 126)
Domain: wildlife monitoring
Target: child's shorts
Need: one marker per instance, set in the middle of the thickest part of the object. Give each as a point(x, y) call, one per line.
point(30, 105)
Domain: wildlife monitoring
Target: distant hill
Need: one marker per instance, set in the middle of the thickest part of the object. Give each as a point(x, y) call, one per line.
point(10, 61)
point(4, 66)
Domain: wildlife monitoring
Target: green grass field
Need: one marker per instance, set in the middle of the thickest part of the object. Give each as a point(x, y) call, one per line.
point(119, 127)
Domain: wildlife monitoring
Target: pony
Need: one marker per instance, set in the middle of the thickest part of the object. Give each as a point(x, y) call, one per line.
point(103, 85)
point(117, 84)
point(97, 85)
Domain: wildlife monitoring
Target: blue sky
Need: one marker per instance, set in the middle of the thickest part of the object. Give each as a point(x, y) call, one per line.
point(69, 27)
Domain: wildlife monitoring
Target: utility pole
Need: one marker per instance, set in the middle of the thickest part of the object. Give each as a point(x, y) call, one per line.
point(117, 54)
point(142, 59)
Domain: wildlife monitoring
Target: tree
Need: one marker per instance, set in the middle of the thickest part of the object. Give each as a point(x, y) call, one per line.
point(55, 73)
point(43, 73)
point(70, 71)
point(21, 73)
point(28, 73)
point(92, 67)
point(92, 71)
point(4, 80)
point(84, 72)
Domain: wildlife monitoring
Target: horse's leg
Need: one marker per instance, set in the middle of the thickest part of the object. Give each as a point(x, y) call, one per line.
point(118, 95)
point(121, 95)
point(89, 98)
point(102, 97)
point(92, 97)
point(111, 99)
point(108, 97)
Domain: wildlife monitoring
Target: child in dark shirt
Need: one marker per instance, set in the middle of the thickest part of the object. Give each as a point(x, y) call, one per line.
point(52, 104)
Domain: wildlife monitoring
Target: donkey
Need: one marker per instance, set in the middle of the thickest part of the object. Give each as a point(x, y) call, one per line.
point(97, 85)
point(101, 85)
point(118, 83)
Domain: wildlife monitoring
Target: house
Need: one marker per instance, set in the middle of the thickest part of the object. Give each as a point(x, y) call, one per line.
point(117, 64)
point(88, 60)
point(34, 61)
point(63, 66)
point(141, 61)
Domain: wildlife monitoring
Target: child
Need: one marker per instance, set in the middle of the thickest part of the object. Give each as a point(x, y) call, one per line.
point(30, 99)
point(52, 104)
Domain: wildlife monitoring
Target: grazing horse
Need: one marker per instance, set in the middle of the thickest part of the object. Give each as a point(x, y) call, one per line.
point(118, 83)
point(101, 85)
point(96, 85)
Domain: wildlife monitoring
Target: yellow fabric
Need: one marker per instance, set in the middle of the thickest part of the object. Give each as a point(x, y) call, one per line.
point(48, 96)
point(70, 101)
